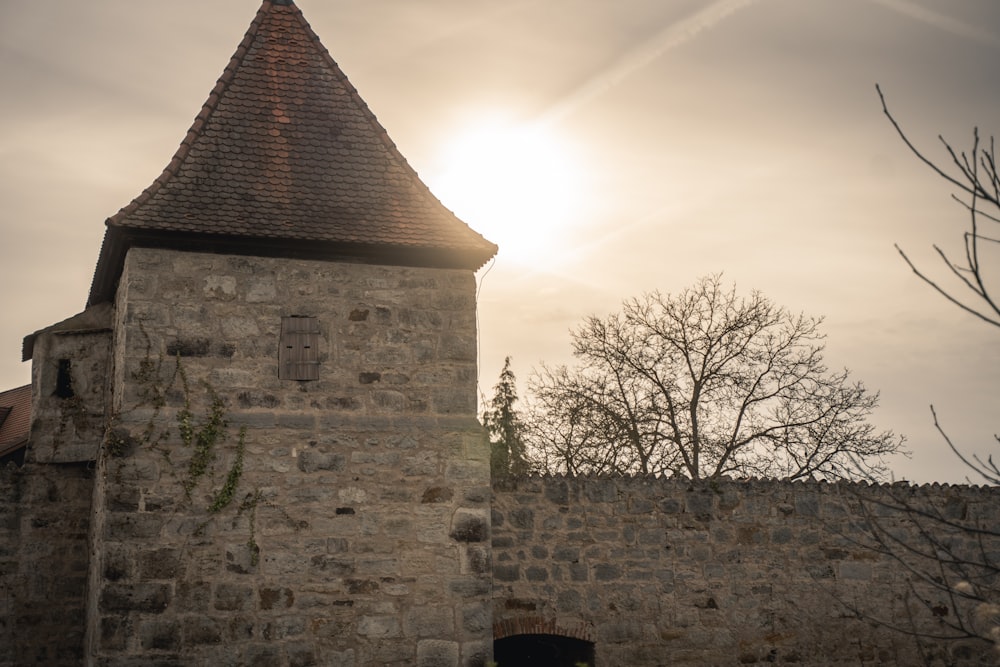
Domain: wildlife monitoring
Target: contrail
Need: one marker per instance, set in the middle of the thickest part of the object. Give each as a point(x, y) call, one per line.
point(671, 37)
point(940, 21)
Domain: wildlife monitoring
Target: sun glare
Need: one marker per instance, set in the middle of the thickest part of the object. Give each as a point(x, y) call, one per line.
point(517, 185)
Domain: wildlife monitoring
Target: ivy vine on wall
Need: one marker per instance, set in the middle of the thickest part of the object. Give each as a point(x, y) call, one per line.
point(159, 382)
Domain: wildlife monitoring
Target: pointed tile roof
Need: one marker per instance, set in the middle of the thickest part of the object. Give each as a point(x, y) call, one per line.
point(286, 158)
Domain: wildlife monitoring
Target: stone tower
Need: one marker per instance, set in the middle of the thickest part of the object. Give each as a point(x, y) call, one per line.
point(281, 339)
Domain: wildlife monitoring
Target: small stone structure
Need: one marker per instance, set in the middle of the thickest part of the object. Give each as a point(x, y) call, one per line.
point(258, 444)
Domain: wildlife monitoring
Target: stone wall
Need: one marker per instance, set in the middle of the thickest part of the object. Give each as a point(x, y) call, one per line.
point(233, 517)
point(44, 520)
point(69, 383)
point(251, 520)
point(669, 572)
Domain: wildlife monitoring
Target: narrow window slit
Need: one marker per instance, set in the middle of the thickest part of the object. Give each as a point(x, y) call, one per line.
point(64, 379)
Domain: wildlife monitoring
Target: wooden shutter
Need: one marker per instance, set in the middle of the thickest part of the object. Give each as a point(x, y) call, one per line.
point(298, 353)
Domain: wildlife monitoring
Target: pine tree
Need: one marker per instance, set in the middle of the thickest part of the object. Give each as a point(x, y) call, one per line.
point(504, 429)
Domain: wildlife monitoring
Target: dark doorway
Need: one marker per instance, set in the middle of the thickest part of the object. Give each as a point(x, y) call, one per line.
point(542, 651)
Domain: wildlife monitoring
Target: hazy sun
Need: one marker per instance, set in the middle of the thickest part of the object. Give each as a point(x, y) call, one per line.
point(517, 185)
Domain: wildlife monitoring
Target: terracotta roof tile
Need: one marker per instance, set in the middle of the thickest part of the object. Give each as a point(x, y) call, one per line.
point(285, 148)
point(14, 425)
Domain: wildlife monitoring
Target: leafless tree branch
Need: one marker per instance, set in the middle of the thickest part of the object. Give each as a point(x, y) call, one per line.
point(705, 383)
point(975, 175)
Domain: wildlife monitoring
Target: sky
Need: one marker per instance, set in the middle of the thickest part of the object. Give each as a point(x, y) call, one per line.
point(610, 148)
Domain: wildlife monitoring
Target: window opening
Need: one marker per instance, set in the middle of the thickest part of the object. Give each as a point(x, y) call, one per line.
point(64, 379)
point(298, 352)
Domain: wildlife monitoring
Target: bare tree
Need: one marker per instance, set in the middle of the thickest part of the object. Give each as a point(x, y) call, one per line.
point(947, 547)
point(954, 560)
point(974, 174)
point(701, 384)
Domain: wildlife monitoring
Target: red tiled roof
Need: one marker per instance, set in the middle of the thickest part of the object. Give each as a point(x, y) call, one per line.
point(14, 427)
point(286, 150)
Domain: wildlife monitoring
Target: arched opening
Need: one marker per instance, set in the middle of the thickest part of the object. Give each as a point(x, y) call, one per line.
point(542, 651)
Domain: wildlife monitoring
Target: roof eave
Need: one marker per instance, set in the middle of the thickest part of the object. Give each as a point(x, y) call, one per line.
point(118, 240)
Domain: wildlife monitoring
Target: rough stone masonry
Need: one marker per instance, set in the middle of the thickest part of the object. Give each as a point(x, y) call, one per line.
point(357, 532)
point(258, 445)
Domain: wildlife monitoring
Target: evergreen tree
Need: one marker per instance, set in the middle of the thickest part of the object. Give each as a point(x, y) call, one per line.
point(504, 429)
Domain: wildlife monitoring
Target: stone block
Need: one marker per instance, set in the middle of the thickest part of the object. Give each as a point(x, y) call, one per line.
point(136, 471)
point(640, 505)
point(699, 503)
point(476, 559)
point(275, 598)
point(160, 635)
point(477, 618)
point(807, 506)
point(453, 401)
point(263, 655)
point(304, 655)
point(437, 494)
point(557, 492)
point(189, 347)
point(379, 627)
point(201, 630)
point(462, 472)
point(437, 653)
point(292, 420)
point(283, 627)
point(470, 587)
point(619, 633)
point(233, 597)
point(468, 525)
point(607, 572)
point(362, 586)
point(242, 558)
point(147, 597)
point(114, 632)
point(477, 653)
point(312, 461)
point(253, 419)
point(424, 464)
point(855, 570)
point(426, 621)
point(569, 601)
point(566, 554)
point(579, 572)
point(123, 499)
point(192, 596)
point(160, 564)
point(522, 518)
point(117, 563)
point(333, 566)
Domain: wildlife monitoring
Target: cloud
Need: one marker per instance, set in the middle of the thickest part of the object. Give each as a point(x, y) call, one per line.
point(940, 21)
point(673, 36)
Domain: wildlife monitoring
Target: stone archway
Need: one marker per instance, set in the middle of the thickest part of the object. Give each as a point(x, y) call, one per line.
point(537, 642)
point(538, 650)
